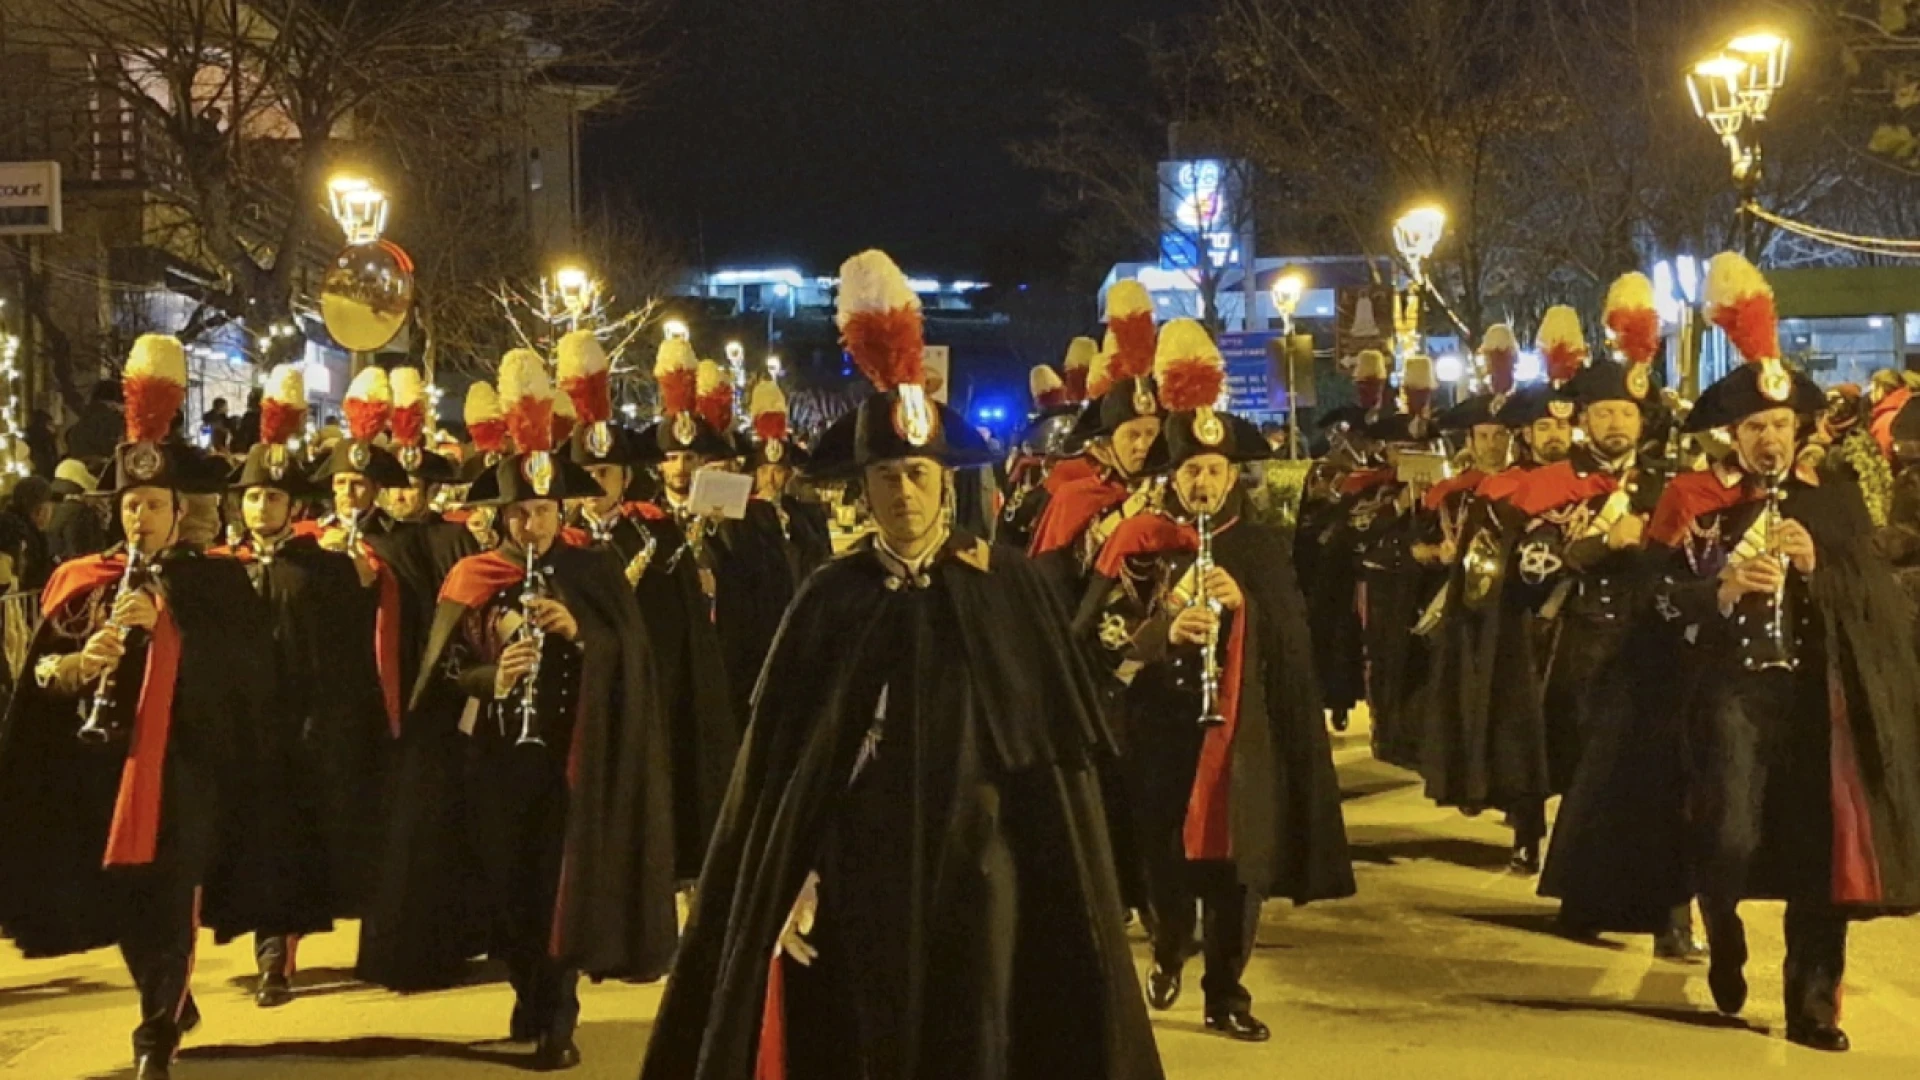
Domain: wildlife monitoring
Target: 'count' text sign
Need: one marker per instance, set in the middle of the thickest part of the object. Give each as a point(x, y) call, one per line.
point(29, 198)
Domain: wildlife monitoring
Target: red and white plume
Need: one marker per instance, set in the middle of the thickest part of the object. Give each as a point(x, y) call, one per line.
point(526, 397)
point(486, 424)
point(1500, 350)
point(1631, 318)
point(1562, 343)
point(409, 423)
point(1370, 378)
point(676, 370)
point(1048, 391)
point(1100, 370)
point(565, 419)
point(1188, 367)
point(1079, 364)
point(768, 403)
point(1740, 302)
point(880, 322)
point(713, 395)
point(583, 370)
point(1418, 381)
point(1130, 330)
point(283, 405)
point(369, 404)
point(154, 386)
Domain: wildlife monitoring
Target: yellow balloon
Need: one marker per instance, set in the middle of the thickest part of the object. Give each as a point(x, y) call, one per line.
point(366, 295)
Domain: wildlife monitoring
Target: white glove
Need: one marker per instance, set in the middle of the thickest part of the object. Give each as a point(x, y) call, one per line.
point(793, 939)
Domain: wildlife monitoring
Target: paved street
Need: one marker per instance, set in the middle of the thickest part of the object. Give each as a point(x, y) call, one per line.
point(1443, 967)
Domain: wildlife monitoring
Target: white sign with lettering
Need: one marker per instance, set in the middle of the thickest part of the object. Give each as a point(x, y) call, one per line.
point(29, 198)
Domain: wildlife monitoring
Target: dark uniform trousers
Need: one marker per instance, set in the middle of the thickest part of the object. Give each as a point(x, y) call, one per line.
point(1768, 779)
point(161, 919)
point(1179, 892)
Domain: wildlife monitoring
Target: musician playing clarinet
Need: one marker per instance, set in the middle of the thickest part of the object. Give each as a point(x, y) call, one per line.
point(1231, 770)
point(128, 758)
point(565, 792)
point(1773, 752)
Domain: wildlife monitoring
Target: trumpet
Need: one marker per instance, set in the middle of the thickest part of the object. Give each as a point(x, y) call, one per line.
point(101, 726)
point(531, 590)
point(1210, 652)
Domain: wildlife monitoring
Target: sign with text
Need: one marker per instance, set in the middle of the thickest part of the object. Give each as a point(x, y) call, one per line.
point(1251, 384)
point(29, 198)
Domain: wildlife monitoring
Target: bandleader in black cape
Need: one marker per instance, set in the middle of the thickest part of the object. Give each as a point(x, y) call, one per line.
point(919, 762)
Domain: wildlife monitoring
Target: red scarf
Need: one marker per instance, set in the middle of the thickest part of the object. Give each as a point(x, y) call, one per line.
point(135, 832)
point(475, 579)
point(1071, 510)
point(1438, 494)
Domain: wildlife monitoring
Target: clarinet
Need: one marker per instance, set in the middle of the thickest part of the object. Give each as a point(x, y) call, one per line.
point(1210, 652)
point(531, 591)
point(1783, 656)
point(101, 726)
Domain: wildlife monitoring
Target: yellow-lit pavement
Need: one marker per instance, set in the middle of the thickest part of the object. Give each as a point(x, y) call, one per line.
point(1442, 967)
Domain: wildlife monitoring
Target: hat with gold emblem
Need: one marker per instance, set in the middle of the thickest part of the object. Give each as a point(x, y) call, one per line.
point(1191, 375)
point(533, 471)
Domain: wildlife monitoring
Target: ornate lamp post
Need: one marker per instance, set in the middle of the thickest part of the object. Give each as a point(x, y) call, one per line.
point(1416, 235)
point(1288, 290)
point(1733, 91)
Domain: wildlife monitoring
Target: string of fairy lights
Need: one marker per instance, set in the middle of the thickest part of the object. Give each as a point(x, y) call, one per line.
point(14, 460)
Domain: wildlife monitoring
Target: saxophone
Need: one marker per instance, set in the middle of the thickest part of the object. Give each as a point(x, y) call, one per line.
point(101, 726)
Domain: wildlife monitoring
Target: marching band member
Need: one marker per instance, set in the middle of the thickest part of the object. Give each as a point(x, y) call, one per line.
point(564, 794)
point(1771, 749)
point(1235, 791)
point(910, 877)
point(138, 832)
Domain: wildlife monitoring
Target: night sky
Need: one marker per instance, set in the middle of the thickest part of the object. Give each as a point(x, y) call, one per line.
point(800, 131)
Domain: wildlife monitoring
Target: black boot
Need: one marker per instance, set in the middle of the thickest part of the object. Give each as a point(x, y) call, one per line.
point(1526, 858)
point(554, 1053)
point(1677, 942)
point(1163, 987)
point(1726, 970)
point(154, 1067)
point(1816, 961)
point(1239, 1024)
point(274, 991)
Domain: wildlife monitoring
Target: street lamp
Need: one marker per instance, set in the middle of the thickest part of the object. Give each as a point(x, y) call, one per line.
point(577, 290)
point(774, 368)
point(1416, 234)
point(359, 207)
point(1288, 290)
point(674, 328)
point(737, 362)
point(1732, 91)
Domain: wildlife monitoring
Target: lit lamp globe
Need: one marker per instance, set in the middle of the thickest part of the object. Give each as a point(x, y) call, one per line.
point(366, 295)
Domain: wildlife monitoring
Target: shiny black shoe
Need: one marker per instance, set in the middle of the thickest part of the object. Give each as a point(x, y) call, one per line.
point(1342, 721)
point(154, 1067)
point(1163, 988)
point(1824, 1037)
point(555, 1054)
point(1526, 860)
point(1679, 946)
point(189, 1016)
point(1729, 985)
point(1238, 1024)
point(273, 992)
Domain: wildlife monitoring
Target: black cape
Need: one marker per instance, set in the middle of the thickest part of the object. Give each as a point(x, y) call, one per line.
point(329, 730)
point(619, 916)
point(983, 669)
point(704, 732)
point(57, 794)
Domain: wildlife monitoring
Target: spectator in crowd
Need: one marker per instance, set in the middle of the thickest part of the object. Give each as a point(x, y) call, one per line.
point(80, 525)
point(25, 560)
point(101, 426)
point(215, 424)
point(247, 431)
point(42, 444)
